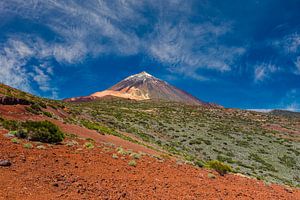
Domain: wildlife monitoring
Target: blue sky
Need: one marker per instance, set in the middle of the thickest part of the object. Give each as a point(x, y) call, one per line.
point(242, 54)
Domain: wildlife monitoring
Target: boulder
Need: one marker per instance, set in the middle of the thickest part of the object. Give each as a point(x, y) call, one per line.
point(5, 163)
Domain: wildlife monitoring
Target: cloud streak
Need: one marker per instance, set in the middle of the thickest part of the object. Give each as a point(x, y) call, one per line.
point(289, 46)
point(264, 71)
point(102, 27)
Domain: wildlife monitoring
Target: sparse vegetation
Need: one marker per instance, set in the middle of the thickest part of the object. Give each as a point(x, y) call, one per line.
point(198, 134)
point(28, 146)
point(132, 163)
point(89, 145)
point(115, 156)
point(220, 167)
point(15, 140)
point(242, 139)
point(135, 155)
point(42, 131)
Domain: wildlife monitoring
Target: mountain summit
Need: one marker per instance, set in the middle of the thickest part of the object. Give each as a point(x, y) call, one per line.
point(143, 86)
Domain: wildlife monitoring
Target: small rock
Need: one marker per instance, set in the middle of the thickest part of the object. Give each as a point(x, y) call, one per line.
point(9, 135)
point(55, 184)
point(41, 147)
point(5, 163)
point(289, 190)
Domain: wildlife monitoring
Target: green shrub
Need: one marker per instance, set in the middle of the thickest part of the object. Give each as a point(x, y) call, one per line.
point(10, 124)
point(15, 140)
point(115, 156)
point(265, 164)
point(48, 114)
point(90, 139)
point(220, 167)
point(121, 151)
point(28, 146)
point(34, 108)
point(89, 145)
point(21, 133)
point(42, 104)
point(132, 163)
point(43, 131)
point(135, 155)
point(199, 163)
point(287, 161)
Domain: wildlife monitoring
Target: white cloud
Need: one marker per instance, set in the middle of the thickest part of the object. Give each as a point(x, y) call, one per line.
point(187, 47)
point(99, 27)
point(295, 107)
point(291, 100)
point(263, 71)
point(297, 64)
point(263, 110)
point(13, 74)
point(15, 71)
point(289, 45)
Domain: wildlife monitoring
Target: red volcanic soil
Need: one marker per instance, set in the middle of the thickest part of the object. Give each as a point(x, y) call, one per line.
point(75, 172)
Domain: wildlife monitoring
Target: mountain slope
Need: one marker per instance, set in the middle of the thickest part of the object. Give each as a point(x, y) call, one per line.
point(255, 144)
point(143, 86)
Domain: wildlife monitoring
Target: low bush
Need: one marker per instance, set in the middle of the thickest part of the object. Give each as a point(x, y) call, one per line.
point(135, 155)
point(43, 131)
point(15, 140)
point(48, 114)
point(199, 163)
point(132, 163)
point(28, 146)
point(115, 156)
point(89, 145)
point(220, 167)
point(34, 108)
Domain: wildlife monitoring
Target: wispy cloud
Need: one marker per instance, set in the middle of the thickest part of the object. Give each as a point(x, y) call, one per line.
point(263, 71)
point(187, 47)
point(99, 27)
point(289, 46)
point(15, 56)
point(291, 100)
point(297, 64)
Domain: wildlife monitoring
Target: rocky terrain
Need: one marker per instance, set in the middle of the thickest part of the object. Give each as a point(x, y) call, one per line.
point(127, 149)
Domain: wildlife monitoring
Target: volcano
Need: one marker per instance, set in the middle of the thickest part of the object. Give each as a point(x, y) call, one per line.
point(143, 86)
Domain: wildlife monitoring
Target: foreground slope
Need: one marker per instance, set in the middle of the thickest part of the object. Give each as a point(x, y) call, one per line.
point(264, 146)
point(75, 172)
point(110, 163)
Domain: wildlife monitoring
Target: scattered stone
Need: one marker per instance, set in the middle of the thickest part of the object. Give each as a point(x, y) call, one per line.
point(9, 135)
point(55, 184)
point(5, 163)
point(289, 190)
point(41, 147)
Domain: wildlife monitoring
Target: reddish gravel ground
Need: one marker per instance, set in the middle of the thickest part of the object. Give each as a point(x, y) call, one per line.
point(74, 172)
point(62, 172)
point(18, 112)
